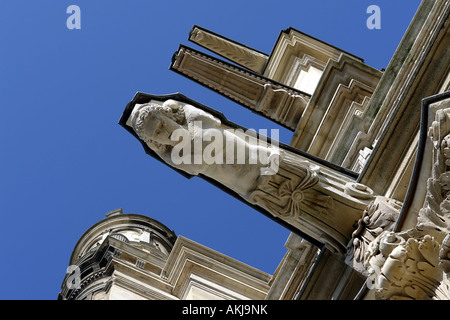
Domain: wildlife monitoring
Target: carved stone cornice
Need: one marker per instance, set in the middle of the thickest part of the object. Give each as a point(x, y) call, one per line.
point(238, 53)
point(280, 103)
point(417, 70)
point(337, 115)
point(294, 43)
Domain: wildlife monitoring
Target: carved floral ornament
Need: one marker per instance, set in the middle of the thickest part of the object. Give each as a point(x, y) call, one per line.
point(415, 264)
point(288, 193)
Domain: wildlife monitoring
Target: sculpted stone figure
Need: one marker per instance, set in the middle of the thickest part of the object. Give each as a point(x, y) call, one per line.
point(318, 202)
point(195, 141)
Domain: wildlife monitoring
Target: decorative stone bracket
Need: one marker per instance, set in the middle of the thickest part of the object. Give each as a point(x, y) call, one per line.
point(313, 198)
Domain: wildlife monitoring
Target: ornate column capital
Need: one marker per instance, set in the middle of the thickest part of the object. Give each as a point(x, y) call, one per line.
point(415, 263)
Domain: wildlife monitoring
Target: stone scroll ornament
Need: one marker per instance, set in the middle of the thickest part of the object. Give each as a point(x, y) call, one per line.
point(415, 264)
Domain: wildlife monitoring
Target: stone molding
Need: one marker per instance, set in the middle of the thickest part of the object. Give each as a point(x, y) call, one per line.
point(231, 50)
point(292, 272)
point(302, 64)
point(417, 70)
point(280, 103)
point(193, 265)
point(294, 43)
point(337, 116)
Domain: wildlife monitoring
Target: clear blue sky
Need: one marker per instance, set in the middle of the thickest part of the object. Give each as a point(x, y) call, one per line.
point(65, 161)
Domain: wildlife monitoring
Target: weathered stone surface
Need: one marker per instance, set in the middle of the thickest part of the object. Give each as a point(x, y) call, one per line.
point(337, 118)
point(321, 202)
point(413, 263)
point(273, 100)
point(231, 50)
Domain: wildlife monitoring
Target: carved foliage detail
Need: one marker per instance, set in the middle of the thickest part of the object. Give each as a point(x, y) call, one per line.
point(436, 210)
point(406, 268)
point(379, 216)
point(444, 254)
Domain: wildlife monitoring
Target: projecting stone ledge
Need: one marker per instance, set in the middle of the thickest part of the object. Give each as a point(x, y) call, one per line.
point(236, 52)
point(279, 103)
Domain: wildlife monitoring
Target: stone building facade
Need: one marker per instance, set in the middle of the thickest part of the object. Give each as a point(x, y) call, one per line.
point(134, 257)
point(362, 184)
